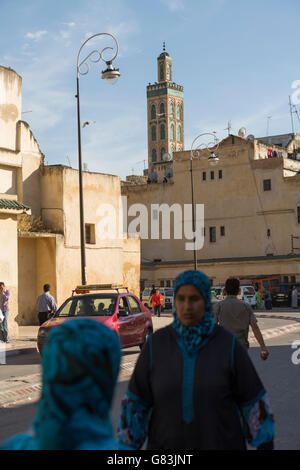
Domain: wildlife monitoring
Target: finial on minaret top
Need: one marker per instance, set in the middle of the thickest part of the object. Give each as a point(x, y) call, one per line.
point(164, 46)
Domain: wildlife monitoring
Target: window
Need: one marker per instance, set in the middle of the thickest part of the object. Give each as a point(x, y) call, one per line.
point(154, 157)
point(168, 71)
point(267, 185)
point(162, 109)
point(178, 112)
point(168, 284)
point(162, 283)
point(67, 309)
point(171, 110)
point(285, 278)
point(123, 305)
point(298, 214)
point(220, 174)
point(135, 306)
point(90, 237)
point(222, 231)
point(212, 175)
point(179, 133)
point(203, 175)
point(172, 151)
point(172, 132)
point(293, 278)
point(212, 234)
point(153, 112)
point(153, 133)
point(268, 233)
point(162, 132)
point(162, 152)
point(161, 69)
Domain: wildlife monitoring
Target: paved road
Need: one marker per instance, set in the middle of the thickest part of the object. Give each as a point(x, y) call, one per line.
point(279, 375)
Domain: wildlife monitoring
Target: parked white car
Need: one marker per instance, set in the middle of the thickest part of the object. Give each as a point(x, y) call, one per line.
point(247, 294)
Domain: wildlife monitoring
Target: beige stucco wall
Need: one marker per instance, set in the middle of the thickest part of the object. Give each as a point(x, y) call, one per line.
point(10, 106)
point(132, 265)
point(37, 266)
point(237, 202)
point(9, 266)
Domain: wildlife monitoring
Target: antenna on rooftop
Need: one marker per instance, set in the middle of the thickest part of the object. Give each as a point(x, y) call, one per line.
point(291, 111)
point(228, 128)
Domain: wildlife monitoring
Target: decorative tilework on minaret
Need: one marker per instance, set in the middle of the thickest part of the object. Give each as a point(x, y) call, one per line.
point(164, 114)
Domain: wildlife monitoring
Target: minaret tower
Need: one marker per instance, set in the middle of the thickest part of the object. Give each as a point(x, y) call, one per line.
point(165, 117)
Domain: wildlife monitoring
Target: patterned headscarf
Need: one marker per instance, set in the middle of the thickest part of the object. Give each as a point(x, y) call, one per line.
point(81, 360)
point(194, 336)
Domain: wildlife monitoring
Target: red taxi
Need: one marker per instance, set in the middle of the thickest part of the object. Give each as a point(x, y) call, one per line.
point(123, 312)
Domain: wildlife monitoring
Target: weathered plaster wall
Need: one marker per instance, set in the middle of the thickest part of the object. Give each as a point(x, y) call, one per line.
point(10, 106)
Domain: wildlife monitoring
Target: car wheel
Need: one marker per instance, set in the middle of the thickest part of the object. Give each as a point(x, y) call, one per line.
point(148, 333)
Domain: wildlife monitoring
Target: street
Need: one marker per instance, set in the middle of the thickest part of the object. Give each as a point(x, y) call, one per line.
point(279, 376)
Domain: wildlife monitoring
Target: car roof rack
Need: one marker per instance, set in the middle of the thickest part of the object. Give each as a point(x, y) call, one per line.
point(97, 287)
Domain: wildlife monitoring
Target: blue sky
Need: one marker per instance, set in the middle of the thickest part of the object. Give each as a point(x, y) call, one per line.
point(236, 60)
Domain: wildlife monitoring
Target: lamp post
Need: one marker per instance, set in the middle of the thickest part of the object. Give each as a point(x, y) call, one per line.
point(110, 75)
point(196, 151)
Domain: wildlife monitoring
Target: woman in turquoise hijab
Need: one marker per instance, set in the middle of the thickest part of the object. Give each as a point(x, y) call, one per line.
point(194, 386)
point(80, 365)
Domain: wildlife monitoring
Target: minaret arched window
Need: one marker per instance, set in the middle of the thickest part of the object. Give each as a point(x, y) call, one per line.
point(153, 112)
point(178, 112)
point(168, 72)
point(154, 156)
point(162, 152)
point(153, 133)
point(161, 71)
point(179, 134)
point(172, 132)
point(171, 110)
point(162, 132)
point(172, 151)
point(162, 108)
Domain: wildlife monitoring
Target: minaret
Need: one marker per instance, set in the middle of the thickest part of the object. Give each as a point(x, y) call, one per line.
point(165, 117)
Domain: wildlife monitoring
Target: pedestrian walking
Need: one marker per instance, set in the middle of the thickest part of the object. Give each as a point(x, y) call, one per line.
point(294, 297)
point(236, 316)
point(157, 301)
point(268, 299)
point(4, 306)
point(45, 304)
point(258, 299)
point(193, 382)
point(80, 365)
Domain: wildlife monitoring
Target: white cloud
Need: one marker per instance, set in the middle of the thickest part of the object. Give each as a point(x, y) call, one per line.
point(71, 25)
point(174, 5)
point(36, 36)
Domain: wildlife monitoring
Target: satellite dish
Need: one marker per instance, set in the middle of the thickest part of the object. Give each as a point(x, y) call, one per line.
point(166, 157)
point(250, 136)
point(169, 173)
point(242, 132)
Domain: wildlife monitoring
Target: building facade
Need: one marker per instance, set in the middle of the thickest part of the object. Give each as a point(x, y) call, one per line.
point(39, 219)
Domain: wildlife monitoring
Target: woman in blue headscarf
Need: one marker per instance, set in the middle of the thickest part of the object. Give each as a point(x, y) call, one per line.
point(194, 386)
point(80, 364)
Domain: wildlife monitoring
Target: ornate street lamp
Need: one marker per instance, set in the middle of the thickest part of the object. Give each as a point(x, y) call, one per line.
point(110, 75)
point(197, 153)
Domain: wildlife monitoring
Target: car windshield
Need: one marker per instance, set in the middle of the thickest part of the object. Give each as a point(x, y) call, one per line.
point(248, 291)
point(89, 305)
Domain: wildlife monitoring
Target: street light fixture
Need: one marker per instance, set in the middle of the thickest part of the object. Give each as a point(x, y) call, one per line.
point(110, 75)
point(196, 152)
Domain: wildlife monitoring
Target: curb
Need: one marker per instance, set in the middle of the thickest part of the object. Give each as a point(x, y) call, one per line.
point(16, 352)
point(275, 332)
